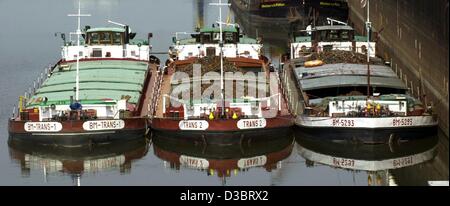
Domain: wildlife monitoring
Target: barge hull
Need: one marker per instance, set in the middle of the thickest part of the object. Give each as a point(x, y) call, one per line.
point(223, 131)
point(367, 135)
point(79, 139)
point(73, 134)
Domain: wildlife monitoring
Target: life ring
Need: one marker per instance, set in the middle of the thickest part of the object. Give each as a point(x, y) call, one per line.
point(313, 63)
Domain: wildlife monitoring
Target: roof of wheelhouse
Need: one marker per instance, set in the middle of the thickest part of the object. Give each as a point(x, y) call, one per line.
point(104, 29)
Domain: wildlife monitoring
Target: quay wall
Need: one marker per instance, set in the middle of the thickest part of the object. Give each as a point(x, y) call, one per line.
point(413, 36)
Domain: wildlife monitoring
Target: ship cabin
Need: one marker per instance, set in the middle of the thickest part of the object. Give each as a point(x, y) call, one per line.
point(206, 43)
point(230, 35)
point(329, 37)
point(107, 42)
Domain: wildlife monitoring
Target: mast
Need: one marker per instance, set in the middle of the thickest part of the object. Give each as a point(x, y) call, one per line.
point(78, 33)
point(220, 4)
point(368, 25)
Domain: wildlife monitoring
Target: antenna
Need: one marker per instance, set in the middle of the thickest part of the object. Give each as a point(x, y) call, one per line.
point(330, 21)
point(119, 24)
point(220, 4)
point(78, 32)
point(116, 23)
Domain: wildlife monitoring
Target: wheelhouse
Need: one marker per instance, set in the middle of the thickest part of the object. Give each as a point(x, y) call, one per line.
point(333, 34)
point(212, 35)
point(105, 36)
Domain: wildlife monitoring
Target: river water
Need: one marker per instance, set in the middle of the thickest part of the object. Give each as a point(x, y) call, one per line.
point(28, 45)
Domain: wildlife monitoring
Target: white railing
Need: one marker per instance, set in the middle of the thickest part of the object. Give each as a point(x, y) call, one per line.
point(142, 52)
point(199, 50)
point(269, 100)
point(235, 105)
point(31, 90)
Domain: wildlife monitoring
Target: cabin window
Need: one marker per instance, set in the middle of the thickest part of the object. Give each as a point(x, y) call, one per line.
point(345, 36)
point(229, 38)
point(206, 38)
point(117, 38)
point(216, 36)
point(94, 37)
point(333, 35)
point(322, 36)
point(105, 38)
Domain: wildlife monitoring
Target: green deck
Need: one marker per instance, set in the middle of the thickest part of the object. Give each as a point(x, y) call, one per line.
point(99, 81)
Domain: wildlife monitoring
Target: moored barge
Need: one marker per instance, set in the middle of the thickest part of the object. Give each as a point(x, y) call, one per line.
point(94, 94)
point(198, 94)
point(346, 92)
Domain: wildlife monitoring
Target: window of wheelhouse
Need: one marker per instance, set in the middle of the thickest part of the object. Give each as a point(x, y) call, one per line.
point(334, 35)
point(214, 37)
point(206, 38)
point(105, 38)
point(230, 38)
point(117, 38)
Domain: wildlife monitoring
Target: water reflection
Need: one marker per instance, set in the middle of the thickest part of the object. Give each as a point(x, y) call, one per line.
point(20, 71)
point(223, 161)
point(75, 162)
point(377, 160)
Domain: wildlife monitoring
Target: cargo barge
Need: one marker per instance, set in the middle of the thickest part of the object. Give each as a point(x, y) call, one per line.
point(345, 90)
point(187, 105)
point(95, 94)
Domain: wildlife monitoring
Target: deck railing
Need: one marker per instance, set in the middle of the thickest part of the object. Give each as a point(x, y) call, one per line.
point(258, 100)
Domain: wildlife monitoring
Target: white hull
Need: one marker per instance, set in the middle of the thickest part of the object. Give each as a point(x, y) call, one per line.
point(366, 122)
point(367, 165)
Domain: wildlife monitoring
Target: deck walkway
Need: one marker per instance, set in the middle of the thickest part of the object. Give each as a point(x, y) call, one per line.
point(150, 92)
point(165, 89)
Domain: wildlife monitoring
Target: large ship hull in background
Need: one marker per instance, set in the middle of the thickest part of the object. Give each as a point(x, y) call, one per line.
point(270, 20)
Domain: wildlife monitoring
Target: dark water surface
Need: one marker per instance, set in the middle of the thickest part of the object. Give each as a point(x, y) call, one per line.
point(28, 45)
